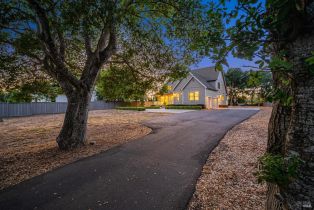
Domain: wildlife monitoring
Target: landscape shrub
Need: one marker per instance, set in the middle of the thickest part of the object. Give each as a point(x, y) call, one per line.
point(184, 107)
point(131, 108)
point(278, 169)
point(223, 106)
point(153, 107)
point(202, 105)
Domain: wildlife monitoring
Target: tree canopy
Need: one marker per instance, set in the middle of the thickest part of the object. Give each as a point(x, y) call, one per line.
point(72, 41)
point(118, 84)
point(248, 86)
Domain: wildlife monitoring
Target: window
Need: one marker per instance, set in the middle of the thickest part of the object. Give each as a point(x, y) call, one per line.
point(218, 85)
point(169, 87)
point(176, 96)
point(194, 96)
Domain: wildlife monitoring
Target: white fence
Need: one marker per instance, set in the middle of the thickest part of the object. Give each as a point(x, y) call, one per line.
point(27, 109)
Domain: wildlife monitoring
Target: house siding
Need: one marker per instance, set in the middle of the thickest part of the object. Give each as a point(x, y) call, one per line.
point(207, 96)
point(220, 91)
point(182, 83)
point(194, 85)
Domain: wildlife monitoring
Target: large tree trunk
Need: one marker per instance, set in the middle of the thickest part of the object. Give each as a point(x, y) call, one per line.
point(300, 139)
point(277, 128)
point(73, 132)
point(277, 132)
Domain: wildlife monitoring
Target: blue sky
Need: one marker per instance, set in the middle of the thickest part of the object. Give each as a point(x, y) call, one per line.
point(232, 61)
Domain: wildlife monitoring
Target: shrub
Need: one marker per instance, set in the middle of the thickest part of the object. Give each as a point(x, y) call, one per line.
point(277, 169)
point(153, 107)
point(197, 105)
point(131, 108)
point(223, 106)
point(184, 107)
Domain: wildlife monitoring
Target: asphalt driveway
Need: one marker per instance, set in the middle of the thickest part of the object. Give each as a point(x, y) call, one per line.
point(158, 171)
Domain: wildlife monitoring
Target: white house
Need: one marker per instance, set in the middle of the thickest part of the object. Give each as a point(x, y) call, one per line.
point(204, 86)
point(63, 98)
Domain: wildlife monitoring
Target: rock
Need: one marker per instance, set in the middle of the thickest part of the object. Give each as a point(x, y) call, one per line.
point(92, 142)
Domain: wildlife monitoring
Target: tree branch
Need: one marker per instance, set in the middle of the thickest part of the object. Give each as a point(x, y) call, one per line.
point(60, 71)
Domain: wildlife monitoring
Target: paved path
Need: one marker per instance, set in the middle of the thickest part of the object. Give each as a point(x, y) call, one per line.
point(158, 171)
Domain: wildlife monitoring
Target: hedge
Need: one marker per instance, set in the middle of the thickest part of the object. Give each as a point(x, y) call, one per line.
point(152, 107)
point(197, 105)
point(184, 107)
point(131, 108)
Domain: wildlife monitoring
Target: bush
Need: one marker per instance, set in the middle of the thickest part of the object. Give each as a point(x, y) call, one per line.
point(197, 105)
point(153, 107)
point(131, 108)
point(184, 107)
point(278, 169)
point(223, 106)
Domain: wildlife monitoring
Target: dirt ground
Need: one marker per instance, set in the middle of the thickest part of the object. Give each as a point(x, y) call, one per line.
point(28, 147)
point(227, 180)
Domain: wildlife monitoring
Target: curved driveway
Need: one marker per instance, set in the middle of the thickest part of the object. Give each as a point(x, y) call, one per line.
point(158, 171)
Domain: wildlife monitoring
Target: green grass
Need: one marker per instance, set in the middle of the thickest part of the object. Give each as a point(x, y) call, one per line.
point(131, 108)
point(184, 107)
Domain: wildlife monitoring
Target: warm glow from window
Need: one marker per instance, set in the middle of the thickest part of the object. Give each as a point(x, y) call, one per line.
point(169, 87)
point(176, 96)
point(191, 96)
point(194, 96)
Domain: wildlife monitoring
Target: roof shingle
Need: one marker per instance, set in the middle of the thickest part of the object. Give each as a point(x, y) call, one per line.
point(207, 76)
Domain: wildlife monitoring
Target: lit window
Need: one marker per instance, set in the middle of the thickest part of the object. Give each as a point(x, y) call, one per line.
point(176, 96)
point(194, 96)
point(169, 87)
point(191, 96)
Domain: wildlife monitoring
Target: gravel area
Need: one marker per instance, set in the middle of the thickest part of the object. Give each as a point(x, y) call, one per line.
point(227, 180)
point(28, 147)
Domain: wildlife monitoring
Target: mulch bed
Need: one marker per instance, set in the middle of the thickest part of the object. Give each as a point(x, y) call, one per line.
point(227, 180)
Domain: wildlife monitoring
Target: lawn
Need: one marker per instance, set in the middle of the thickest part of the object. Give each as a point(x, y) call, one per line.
point(28, 147)
point(227, 180)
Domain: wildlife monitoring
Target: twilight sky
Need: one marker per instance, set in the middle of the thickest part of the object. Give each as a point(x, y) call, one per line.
point(233, 62)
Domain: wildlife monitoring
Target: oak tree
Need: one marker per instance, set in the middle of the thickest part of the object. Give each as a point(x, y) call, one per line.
point(279, 35)
point(72, 40)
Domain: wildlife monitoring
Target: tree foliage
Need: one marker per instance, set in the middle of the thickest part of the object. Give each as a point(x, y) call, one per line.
point(123, 85)
point(255, 84)
point(236, 81)
point(31, 92)
point(72, 40)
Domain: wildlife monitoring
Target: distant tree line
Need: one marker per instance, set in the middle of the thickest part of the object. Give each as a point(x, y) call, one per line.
point(248, 87)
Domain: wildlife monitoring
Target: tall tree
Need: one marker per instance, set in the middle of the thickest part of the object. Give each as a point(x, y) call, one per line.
point(122, 85)
point(72, 40)
point(236, 81)
point(253, 83)
point(280, 34)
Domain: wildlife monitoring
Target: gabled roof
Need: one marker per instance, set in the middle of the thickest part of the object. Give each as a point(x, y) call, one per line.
point(206, 76)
